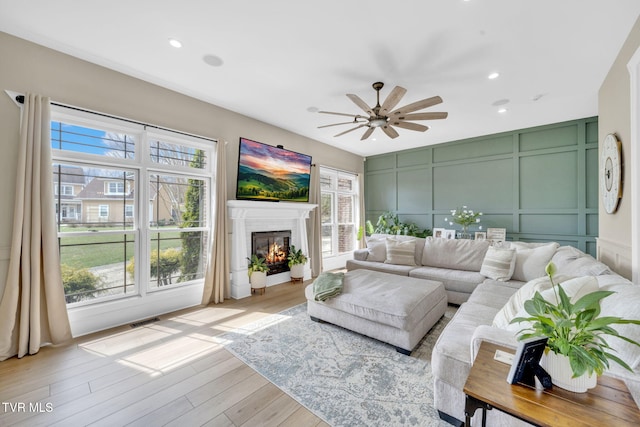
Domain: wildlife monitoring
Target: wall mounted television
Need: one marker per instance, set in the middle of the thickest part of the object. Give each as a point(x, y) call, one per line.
point(271, 173)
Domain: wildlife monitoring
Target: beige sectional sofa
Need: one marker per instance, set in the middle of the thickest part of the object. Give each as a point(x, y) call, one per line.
point(486, 305)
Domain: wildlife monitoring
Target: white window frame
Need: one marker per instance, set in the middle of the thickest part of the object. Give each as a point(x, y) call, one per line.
point(128, 211)
point(117, 184)
point(338, 259)
point(103, 211)
point(64, 188)
point(104, 312)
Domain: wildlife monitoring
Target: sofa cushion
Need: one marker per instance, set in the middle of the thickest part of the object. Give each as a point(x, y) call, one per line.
point(584, 266)
point(453, 280)
point(456, 254)
point(401, 270)
point(575, 288)
point(498, 263)
point(400, 252)
point(418, 249)
point(377, 249)
point(492, 293)
point(531, 259)
point(516, 302)
point(624, 303)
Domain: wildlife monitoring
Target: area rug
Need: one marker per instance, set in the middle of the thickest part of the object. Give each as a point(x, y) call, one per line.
point(344, 378)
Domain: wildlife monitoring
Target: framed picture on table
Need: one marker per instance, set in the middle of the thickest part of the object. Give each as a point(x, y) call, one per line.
point(496, 235)
point(481, 235)
point(439, 233)
point(449, 234)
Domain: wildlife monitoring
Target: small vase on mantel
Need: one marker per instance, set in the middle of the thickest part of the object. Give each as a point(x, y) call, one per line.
point(464, 233)
point(559, 368)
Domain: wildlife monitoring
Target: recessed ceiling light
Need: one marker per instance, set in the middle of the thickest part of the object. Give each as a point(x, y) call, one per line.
point(213, 60)
point(175, 43)
point(500, 102)
point(313, 109)
point(502, 110)
point(493, 76)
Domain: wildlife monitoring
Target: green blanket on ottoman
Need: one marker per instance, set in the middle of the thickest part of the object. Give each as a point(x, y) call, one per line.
point(327, 285)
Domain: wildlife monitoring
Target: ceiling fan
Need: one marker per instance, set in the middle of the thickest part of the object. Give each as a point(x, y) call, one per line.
point(384, 117)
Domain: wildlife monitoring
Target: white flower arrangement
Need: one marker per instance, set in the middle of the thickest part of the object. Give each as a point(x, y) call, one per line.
point(465, 217)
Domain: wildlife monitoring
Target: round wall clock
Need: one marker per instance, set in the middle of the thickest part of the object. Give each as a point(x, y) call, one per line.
point(611, 173)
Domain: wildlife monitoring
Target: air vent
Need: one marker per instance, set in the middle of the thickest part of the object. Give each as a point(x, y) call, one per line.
point(145, 322)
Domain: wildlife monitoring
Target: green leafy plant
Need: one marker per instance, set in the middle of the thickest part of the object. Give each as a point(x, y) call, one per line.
point(389, 223)
point(296, 256)
point(575, 330)
point(257, 264)
point(368, 230)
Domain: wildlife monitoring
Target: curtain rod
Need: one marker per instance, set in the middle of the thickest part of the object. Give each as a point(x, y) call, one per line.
point(20, 100)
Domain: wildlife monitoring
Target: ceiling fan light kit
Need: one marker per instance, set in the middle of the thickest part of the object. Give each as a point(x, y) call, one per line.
point(385, 117)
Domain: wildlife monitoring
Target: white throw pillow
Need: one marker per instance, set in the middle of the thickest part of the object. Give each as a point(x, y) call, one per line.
point(377, 250)
point(531, 259)
point(498, 263)
point(575, 288)
point(400, 252)
point(516, 302)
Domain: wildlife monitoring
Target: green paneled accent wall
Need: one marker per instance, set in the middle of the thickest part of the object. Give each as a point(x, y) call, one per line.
point(541, 184)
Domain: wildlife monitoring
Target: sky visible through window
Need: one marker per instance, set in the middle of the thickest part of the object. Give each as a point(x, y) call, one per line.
point(91, 141)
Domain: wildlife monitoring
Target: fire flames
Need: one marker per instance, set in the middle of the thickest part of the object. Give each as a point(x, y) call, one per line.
point(276, 254)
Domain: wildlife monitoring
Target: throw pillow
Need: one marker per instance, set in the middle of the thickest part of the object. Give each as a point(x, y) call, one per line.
point(498, 263)
point(516, 302)
point(531, 259)
point(575, 288)
point(377, 251)
point(400, 252)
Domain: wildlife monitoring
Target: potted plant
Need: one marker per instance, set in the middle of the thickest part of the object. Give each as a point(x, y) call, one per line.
point(296, 261)
point(257, 271)
point(575, 333)
point(465, 217)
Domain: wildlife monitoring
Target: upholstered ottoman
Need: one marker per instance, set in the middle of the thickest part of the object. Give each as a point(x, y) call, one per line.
point(398, 310)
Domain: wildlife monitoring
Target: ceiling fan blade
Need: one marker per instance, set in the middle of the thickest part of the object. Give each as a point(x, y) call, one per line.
point(350, 130)
point(392, 100)
point(357, 116)
point(391, 132)
point(418, 105)
point(421, 116)
point(336, 124)
point(360, 103)
point(367, 133)
point(409, 125)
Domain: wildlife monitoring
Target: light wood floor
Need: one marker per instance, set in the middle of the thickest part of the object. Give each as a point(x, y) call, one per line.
point(171, 372)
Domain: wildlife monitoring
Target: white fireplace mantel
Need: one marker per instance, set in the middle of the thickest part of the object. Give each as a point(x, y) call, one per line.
point(248, 216)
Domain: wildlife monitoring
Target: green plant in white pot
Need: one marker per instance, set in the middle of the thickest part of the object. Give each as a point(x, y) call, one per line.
point(296, 261)
point(257, 271)
point(575, 334)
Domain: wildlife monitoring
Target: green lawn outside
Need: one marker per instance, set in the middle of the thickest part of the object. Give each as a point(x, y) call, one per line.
point(103, 249)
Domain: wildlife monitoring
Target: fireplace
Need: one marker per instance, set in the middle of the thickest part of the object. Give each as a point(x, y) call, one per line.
point(249, 216)
point(273, 246)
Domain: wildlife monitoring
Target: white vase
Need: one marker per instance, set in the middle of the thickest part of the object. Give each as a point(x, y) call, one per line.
point(258, 279)
point(558, 366)
point(297, 271)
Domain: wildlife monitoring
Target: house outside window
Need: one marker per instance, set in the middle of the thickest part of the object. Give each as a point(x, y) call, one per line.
point(338, 210)
point(138, 220)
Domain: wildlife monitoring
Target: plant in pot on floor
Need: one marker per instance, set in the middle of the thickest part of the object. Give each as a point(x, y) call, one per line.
point(576, 346)
point(296, 261)
point(257, 271)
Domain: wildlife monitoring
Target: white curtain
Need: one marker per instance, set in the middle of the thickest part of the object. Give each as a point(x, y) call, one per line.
point(216, 281)
point(33, 310)
point(362, 243)
point(315, 222)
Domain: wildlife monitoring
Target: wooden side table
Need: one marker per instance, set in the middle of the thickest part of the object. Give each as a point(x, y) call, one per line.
point(608, 404)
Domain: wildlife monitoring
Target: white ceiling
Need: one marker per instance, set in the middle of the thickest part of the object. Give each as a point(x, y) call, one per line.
point(284, 57)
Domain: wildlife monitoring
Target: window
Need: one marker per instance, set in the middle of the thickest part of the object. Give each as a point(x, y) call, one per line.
point(138, 222)
point(103, 211)
point(115, 188)
point(338, 206)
